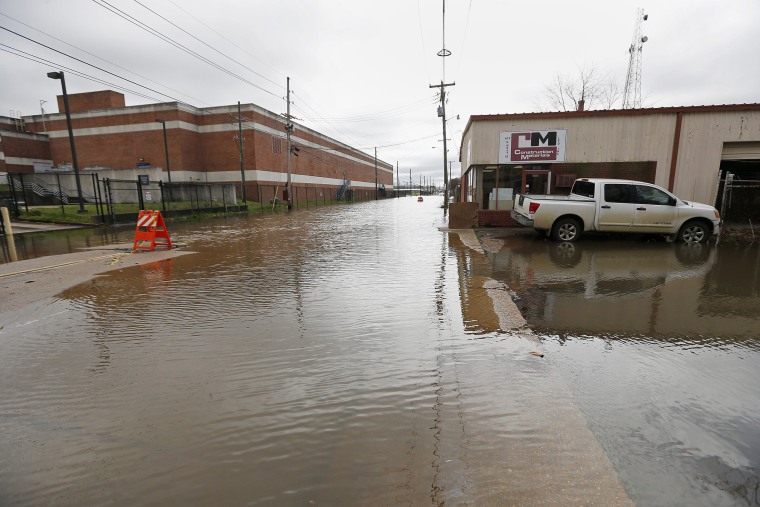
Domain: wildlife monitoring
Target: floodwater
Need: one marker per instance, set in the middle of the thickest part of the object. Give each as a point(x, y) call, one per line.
point(318, 357)
point(660, 345)
point(347, 355)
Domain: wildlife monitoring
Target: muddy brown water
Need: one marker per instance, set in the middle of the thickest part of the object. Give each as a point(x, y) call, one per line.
point(340, 356)
point(660, 344)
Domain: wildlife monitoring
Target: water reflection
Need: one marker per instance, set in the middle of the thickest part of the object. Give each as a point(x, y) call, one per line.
point(653, 289)
point(659, 343)
point(41, 244)
point(350, 356)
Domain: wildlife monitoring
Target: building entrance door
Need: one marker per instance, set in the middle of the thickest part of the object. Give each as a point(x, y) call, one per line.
point(536, 181)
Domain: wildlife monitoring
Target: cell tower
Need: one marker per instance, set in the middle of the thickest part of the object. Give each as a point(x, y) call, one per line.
point(632, 89)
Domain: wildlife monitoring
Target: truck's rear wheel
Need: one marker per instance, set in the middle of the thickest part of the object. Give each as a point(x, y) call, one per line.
point(566, 230)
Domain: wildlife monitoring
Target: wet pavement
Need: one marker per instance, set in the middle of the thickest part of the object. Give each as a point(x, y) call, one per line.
point(358, 355)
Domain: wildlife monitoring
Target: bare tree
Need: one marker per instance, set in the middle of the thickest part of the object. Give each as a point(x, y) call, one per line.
point(595, 90)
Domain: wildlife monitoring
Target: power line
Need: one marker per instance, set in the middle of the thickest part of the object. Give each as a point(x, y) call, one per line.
point(230, 41)
point(97, 57)
point(205, 44)
point(251, 125)
point(165, 38)
point(86, 63)
point(39, 59)
point(379, 115)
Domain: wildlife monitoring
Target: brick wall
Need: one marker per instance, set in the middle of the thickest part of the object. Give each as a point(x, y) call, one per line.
point(495, 218)
point(200, 141)
point(90, 101)
point(20, 145)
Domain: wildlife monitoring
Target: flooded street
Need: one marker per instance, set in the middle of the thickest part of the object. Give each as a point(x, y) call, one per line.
point(350, 355)
point(660, 345)
point(313, 358)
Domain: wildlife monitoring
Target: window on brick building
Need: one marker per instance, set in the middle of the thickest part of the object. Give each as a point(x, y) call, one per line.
point(276, 145)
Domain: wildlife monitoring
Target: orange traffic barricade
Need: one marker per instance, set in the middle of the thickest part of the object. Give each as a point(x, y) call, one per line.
point(151, 231)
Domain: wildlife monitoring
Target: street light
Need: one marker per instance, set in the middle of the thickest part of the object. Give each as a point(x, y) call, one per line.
point(59, 75)
point(166, 150)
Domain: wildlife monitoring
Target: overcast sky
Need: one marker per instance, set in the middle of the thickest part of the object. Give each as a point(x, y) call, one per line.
point(361, 71)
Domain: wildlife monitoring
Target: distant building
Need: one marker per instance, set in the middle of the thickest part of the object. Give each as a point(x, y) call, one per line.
point(683, 149)
point(116, 139)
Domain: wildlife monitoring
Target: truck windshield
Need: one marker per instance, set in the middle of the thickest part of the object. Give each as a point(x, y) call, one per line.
point(584, 188)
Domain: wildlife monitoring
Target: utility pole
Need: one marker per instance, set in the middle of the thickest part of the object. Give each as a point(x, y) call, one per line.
point(410, 182)
point(443, 53)
point(242, 166)
point(398, 181)
point(288, 130)
point(376, 173)
point(442, 114)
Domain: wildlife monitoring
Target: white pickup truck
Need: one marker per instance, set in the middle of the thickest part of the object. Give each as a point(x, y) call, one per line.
point(610, 205)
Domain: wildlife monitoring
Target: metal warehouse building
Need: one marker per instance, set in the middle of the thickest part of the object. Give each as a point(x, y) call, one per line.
point(683, 149)
point(201, 145)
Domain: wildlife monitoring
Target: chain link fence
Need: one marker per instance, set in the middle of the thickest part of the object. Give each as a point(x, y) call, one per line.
point(110, 200)
point(739, 205)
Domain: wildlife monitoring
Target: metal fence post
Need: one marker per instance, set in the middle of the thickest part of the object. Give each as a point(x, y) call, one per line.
point(96, 194)
point(163, 201)
point(109, 197)
point(23, 192)
point(139, 195)
point(60, 193)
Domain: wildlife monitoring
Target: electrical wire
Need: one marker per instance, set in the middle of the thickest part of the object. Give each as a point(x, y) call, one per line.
point(464, 38)
point(228, 117)
point(156, 33)
point(86, 63)
point(205, 44)
point(230, 41)
point(97, 57)
point(381, 115)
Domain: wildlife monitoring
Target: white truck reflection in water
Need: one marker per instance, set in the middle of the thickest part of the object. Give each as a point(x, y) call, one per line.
point(627, 288)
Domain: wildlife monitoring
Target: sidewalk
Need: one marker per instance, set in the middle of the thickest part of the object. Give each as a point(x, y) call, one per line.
point(27, 281)
point(24, 227)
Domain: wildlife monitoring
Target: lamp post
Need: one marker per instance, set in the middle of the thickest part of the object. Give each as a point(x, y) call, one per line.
point(59, 75)
point(166, 151)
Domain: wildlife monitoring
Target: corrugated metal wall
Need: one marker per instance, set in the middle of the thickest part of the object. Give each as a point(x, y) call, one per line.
point(629, 137)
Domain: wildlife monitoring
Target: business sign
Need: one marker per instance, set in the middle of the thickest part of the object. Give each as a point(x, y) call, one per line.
point(538, 146)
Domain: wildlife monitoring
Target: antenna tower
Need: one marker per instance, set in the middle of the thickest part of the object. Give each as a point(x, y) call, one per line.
point(632, 89)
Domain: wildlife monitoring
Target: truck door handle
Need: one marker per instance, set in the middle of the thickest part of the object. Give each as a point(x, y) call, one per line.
point(606, 207)
point(641, 209)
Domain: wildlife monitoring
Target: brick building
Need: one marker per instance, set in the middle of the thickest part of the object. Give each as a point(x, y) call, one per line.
point(115, 140)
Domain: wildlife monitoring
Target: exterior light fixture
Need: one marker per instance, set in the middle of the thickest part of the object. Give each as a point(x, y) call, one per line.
point(59, 75)
point(166, 150)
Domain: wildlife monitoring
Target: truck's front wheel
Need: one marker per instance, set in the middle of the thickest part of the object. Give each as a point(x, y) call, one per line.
point(566, 230)
point(695, 231)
